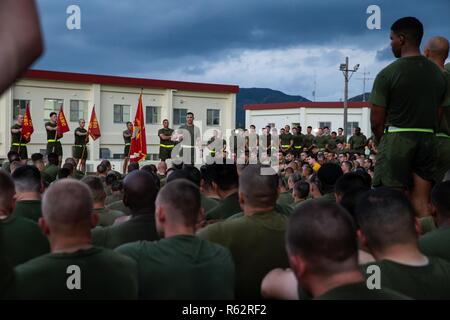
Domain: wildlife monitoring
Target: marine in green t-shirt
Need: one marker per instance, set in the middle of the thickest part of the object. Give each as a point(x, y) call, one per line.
point(224, 208)
point(104, 275)
point(53, 143)
point(22, 239)
point(321, 139)
point(256, 239)
point(309, 138)
point(107, 216)
point(357, 141)
point(430, 281)
point(18, 142)
point(404, 102)
point(139, 195)
point(165, 143)
point(30, 209)
point(181, 266)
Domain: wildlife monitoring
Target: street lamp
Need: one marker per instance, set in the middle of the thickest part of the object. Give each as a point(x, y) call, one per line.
point(347, 75)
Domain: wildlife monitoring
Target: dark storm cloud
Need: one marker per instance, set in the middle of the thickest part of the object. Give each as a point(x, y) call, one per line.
point(137, 36)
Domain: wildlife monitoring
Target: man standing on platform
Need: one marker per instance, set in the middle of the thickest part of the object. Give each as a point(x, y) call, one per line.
point(80, 148)
point(53, 143)
point(165, 143)
point(194, 133)
point(18, 143)
point(127, 140)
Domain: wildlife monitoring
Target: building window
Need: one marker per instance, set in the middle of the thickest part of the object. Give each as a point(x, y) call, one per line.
point(78, 110)
point(179, 116)
point(51, 105)
point(325, 124)
point(152, 115)
point(212, 117)
point(19, 107)
point(121, 113)
point(295, 124)
point(350, 127)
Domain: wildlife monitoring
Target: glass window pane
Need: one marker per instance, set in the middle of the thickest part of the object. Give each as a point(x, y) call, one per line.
point(51, 105)
point(19, 107)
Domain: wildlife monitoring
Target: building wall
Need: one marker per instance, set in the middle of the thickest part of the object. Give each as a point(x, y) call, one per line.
point(309, 117)
point(104, 97)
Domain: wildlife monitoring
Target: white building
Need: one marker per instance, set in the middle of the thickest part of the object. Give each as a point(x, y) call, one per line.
point(115, 100)
point(314, 114)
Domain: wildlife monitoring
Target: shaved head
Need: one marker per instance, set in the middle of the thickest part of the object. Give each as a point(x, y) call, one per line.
point(67, 205)
point(437, 47)
point(258, 189)
point(139, 191)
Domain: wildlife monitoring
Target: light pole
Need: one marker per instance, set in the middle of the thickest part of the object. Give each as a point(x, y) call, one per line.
point(347, 75)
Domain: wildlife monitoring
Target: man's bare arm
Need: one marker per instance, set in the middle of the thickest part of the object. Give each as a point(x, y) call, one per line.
point(377, 119)
point(21, 39)
point(51, 128)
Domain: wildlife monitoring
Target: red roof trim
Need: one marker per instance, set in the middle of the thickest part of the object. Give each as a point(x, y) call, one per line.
point(128, 82)
point(296, 105)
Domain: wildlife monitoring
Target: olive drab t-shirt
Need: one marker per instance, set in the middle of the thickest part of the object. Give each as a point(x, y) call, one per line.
point(194, 133)
point(182, 267)
point(411, 89)
point(225, 208)
point(431, 281)
point(51, 134)
point(30, 209)
point(322, 141)
point(360, 291)
point(167, 132)
point(298, 140)
point(16, 137)
point(285, 139)
point(80, 140)
point(22, 240)
point(257, 245)
point(436, 243)
point(107, 216)
point(127, 139)
point(103, 274)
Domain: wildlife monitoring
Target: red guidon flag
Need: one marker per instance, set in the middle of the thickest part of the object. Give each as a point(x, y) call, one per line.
point(138, 148)
point(27, 127)
point(62, 123)
point(94, 128)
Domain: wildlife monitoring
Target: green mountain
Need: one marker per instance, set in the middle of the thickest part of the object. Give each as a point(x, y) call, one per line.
point(260, 95)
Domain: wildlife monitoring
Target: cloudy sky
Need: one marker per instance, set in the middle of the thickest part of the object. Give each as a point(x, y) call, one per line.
point(277, 44)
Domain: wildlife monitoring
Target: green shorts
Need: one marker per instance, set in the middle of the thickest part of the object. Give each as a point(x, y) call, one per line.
point(401, 154)
point(78, 153)
point(442, 158)
point(126, 151)
point(55, 147)
point(22, 151)
point(165, 153)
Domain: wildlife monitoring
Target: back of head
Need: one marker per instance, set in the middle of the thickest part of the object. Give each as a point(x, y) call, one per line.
point(139, 191)
point(328, 174)
point(110, 178)
point(258, 185)
point(437, 47)
point(301, 189)
point(386, 217)
point(117, 186)
point(440, 198)
point(101, 169)
point(96, 186)
point(349, 181)
point(64, 173)
point(225, 176)
point(71, 161)
point(12, 156)
point(194, 174)
point(107, 164)
point(69, 166)
point(181, 199)
point(323, 235)
point(52, 158)
point(349, 199)
point(27, 179)
point(411, 28)
point(7, 192)
point(67, 207)
point(133, 166)
point(37, 157)
point(188, 172)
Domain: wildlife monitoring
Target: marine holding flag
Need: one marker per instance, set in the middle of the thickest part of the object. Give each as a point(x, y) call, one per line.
point(56, 127)
point(138, 148)
point(21, 134)
point(80, 152)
